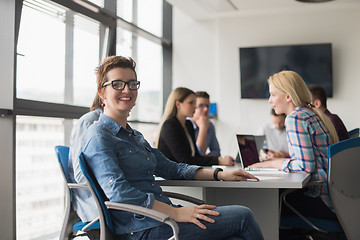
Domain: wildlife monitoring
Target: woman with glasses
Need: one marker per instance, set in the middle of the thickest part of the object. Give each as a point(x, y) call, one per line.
point(124, 165)
point(177, 136)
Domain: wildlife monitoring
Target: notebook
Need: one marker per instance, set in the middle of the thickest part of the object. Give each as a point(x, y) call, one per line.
point(249, 147)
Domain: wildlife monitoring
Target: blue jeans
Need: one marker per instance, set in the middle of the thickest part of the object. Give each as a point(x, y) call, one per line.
point(234, 221)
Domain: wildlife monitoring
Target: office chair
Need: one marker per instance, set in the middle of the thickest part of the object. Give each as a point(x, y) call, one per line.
point(72, 225)
point(344, 181)
point(107, 231)
point(354, 133)
point(307, 227)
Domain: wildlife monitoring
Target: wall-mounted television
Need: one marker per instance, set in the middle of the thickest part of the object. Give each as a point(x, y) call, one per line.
point(312, 61)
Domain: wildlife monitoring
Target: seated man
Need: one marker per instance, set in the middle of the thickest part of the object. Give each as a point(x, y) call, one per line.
point(83, 202)
point(275, 136)
point(204, 129)
point(319, 98)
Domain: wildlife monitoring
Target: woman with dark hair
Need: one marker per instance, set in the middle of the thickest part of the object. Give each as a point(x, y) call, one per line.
point(124, 164)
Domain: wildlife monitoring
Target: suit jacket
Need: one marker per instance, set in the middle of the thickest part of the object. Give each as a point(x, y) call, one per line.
point(174, 144)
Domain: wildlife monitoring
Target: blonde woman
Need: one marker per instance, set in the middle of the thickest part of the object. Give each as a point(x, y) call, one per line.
point(309, 134)
point(177, 136)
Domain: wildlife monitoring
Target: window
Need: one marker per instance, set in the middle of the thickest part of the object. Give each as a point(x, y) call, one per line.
point(60, 44)
point(86, 58)
point(41, 57)
point(144, 13)
point(39, 184)
point(149, 107)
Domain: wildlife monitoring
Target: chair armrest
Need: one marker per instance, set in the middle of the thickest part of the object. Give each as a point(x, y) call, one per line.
point(79, 186)
point(159, 216)
point(184, 197)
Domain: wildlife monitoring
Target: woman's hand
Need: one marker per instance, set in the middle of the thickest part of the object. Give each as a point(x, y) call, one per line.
point(274, 163)
point(195, 214)
point(226, 160)
point(279, 154)
point(236, 175)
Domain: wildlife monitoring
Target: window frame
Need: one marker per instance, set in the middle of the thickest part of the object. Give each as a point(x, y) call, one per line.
point(111, 21)
point(69, 112)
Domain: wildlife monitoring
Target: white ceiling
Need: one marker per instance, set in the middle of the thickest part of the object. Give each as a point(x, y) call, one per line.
point(213, 9)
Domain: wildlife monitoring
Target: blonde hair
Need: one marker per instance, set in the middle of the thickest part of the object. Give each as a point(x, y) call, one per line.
point(178, 94)
point(291, 83)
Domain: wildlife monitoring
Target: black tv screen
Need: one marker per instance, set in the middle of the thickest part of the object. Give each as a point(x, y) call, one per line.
point(313, 62)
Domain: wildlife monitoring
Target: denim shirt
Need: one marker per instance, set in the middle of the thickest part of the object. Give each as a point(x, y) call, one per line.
point(124, 164)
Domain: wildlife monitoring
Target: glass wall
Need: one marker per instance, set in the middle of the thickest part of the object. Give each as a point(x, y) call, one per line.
point(41, 57)
point(86, 58)
point(59, 47)
point(39, 184)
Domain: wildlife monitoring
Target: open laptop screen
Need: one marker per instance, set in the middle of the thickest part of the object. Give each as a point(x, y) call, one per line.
point(249, 147)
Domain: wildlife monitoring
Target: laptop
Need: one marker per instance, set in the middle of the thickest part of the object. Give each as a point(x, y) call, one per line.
point(249, 147)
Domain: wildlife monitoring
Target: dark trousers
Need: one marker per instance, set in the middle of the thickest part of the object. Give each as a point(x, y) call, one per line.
point(307, 206)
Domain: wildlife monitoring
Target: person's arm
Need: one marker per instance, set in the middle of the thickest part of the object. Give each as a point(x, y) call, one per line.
point(203, 124)
point(273, 163)
point(233, 175)
point(169, 169)
point(339, 127)
point(279, 154)
point(213, 143)
point(191, 214)
point(173, 135)
point(100, 154)
point(225, 160)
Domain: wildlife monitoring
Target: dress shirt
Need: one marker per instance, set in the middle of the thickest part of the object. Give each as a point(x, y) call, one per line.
point(276, 139)
point(174, 144)
point(308, 144)
point(124, 164)
point(211, 140)
point(339, 125)
point(83, 201)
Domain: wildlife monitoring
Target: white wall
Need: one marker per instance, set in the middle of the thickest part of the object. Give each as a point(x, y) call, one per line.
point(206, 57)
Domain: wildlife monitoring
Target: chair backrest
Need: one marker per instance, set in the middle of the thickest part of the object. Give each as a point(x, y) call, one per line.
point(98, 194)
point(354, 133)
point(344, 181)
point(62, 153)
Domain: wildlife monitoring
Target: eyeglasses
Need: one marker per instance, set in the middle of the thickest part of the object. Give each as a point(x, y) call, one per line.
point(120, 85)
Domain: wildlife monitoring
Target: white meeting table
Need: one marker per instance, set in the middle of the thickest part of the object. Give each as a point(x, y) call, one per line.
point(261, 197)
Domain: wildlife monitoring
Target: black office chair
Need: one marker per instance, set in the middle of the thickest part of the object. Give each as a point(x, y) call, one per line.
point(72, 225)
point(303, 227)
point(104, 205)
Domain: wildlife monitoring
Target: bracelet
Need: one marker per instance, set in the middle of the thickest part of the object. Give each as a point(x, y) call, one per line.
point(217, 170)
